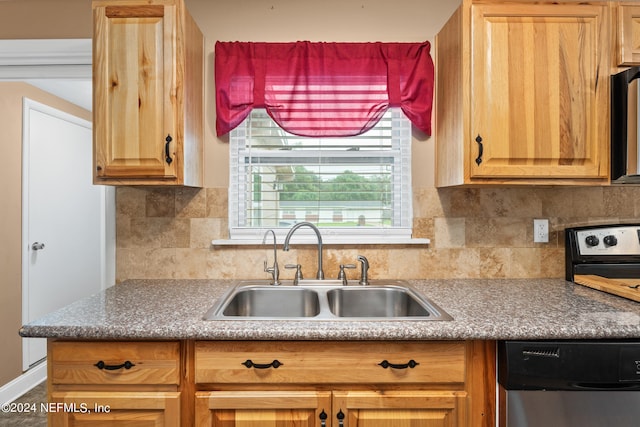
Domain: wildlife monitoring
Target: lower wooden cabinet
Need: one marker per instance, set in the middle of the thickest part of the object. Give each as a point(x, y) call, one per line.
point(135, 408)
point(343, 384)
point(405, 408)
point(114, 383)
point(362, 408)
point(271, 383)
point(263, 408)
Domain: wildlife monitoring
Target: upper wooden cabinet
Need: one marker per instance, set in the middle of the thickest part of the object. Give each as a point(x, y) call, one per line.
point(628, 34)
point(148, 93)
point(523, 94)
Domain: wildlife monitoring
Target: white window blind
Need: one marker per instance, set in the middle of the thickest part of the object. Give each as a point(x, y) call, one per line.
point(348, 186)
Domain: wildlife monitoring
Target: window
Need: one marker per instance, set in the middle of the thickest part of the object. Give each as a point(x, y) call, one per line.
point(353, 188)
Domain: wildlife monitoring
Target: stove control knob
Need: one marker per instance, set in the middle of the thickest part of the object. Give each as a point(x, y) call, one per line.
point(592, 240)
point(610, 240)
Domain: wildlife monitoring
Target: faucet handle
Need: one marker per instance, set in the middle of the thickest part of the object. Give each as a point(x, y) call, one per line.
point(298, 268)
point(342, 275)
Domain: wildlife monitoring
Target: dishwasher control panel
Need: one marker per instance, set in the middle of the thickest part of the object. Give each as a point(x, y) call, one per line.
point(569, 365)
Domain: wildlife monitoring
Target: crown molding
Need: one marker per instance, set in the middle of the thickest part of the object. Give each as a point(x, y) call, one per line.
point(50, 58)
point(45, 52)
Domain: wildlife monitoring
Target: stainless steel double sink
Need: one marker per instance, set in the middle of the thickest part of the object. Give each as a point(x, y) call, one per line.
point(325, 300)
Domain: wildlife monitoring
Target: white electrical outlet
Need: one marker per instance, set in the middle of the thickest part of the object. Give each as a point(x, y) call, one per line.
point(540, 230)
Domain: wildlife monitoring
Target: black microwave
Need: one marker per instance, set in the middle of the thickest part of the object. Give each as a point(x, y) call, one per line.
point(625, 110)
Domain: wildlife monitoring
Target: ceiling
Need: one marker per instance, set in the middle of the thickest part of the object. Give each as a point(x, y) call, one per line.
point(61, 67)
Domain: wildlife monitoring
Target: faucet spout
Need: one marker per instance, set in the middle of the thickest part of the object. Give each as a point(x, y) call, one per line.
point(319, 273)
point(364, 275)
point(274, 270)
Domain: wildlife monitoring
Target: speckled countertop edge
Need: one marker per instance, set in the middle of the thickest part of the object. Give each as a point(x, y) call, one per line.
point(492, 309)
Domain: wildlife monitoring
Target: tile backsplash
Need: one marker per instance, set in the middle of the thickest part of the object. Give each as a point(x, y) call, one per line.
point(474, 232)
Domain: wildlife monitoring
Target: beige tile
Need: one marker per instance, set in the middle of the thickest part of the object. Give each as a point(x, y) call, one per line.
point(552, 262)
point(217, 201)
point(160, 263)
point(449, 233)
point(204, 230)
point(495, 263)
point(407, 263)
point(191, 202)
point(426, 203)
point(233, 263)
point(161, 202)
point(423, 228)
point(475, 232)
point(496, 232)
point(525, 262)
point(580, 202)
point(619, 201)
point(123, 231)
point(450, 263)
point(461, 202)
point(159, 233)
point(510, 202)
point(190, 263)
point(131, 201)
point(141, 263)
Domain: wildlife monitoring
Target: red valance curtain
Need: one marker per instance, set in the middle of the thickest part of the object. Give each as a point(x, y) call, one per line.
point(323, 89)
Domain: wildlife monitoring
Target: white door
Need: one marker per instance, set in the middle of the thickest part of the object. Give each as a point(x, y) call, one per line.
point(64, 217)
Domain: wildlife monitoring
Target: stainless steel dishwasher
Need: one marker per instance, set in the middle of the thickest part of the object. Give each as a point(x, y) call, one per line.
point(570, 383)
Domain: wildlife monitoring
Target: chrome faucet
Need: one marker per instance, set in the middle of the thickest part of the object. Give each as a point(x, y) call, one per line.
point(274, 270)
point(319, 273)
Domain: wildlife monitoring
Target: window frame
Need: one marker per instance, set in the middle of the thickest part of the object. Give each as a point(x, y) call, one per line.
point(403, 200)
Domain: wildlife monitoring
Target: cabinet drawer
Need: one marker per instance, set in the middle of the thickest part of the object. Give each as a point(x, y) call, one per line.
point(329, 362)
point(115, 362)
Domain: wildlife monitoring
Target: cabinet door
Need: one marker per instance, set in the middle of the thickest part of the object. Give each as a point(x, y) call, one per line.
point(263, 408)
point(96, 409)
point(399, 408)
point(134, 91)
point(539, 91)
point(628, 34)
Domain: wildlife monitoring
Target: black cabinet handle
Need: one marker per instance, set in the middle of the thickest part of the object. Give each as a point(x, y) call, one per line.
point(386, 364)
point(249, 364)
point(340, 417)
point(323, 419)
point(167, 154)
point(480, 150)
point(126, 365)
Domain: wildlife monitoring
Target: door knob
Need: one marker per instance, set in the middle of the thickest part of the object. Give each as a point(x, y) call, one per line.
point(37, 246)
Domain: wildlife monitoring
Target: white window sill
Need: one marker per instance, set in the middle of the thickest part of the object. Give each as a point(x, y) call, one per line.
point(337, 236)
point(359, 242)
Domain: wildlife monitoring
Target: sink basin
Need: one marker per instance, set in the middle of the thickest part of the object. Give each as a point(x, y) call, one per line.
point(324, 300)
point(384, 302)
point(273, 301)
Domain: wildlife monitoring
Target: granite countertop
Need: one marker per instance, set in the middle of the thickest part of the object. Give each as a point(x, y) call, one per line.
point(492, 309)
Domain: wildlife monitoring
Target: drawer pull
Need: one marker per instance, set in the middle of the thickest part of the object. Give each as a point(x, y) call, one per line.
point(275, 364)
point(125, 365)
point(411, 364)
point(340, 417)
